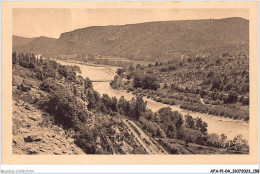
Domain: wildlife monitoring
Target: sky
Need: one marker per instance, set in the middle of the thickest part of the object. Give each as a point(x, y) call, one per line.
point(51, 22)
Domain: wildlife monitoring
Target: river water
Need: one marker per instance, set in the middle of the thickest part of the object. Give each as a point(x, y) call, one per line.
point(217, 125)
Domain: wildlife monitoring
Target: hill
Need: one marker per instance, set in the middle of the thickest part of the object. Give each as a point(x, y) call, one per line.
point(149, 41)
point(21, 41)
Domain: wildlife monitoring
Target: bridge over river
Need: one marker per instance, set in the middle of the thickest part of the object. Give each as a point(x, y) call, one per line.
point(101, 80)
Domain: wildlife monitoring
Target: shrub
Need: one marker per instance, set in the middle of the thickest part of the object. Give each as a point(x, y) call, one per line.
point(239, 144)
point(192, 136)
point(189, 122)
point(23, 64)
point(245, 101)
point(38, 74)
point(145, 82)
point(48, 85)
point(23, 88)
point(66, 110)
point(31, 65)
point(232, 97)
point(63, 71)
point(213, 140)
point(120, 71)
point(86, 140)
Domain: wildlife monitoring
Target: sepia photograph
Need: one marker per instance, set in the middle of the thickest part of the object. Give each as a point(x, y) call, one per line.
point(110, 80)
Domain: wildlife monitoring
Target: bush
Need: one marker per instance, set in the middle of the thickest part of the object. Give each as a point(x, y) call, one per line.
point(193, 136)
point(71, 77)
point(31, 65)
point(23, 88)
point(239, 144)
point(38, 74)
point(86, 140)
point(66, 110)
point(63, 71)
point(120, 71)
point(245, 101)
point(48, 85)
point(145, 82)
point(23, 64)
point(232, 97)
point(213, 140)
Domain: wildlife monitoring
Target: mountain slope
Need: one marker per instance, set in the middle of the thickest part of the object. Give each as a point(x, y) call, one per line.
point(153, 40)
point(21, 41)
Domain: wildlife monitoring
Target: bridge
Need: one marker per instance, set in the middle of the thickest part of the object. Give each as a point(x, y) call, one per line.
point(101, 80)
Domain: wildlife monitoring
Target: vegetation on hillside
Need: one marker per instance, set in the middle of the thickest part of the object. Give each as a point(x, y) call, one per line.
point(218, 86)
point(94, 120)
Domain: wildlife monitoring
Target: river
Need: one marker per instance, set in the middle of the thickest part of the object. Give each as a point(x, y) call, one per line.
point(217, 125)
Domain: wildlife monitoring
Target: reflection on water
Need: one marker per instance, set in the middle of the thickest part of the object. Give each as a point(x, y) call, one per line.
point(217, 125)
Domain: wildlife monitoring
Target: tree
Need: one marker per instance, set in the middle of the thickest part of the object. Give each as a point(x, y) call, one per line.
point(140, 107)
point(201, 125)
point(138, 66)
point(137, 82)
point(14, 61)
point(150, 82)
point(245, 101)
point(91, 99)
point(86, 140)
point(171, 122)
point(213, 140)
point(23, 64)
point(65, 108)
point(189, 122)
point(88, 83)
point(120, 71)
point(41, 60)
point(114, 106)
point(216, 83)
point(105, 99)
point(31, 65)
point(123, 105)
point(33, 58)
point(232, 97)
point(160, 133)
point(177, 118)
point(223, 140)
point(63, 71)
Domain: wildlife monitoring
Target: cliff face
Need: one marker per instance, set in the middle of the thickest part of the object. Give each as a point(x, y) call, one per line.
point(153, 40)
point(33, 134)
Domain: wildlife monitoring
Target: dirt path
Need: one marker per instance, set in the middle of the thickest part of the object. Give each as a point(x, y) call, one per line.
point(143, 139)
point(154, 147)
point(202, 101)
point(139, 140)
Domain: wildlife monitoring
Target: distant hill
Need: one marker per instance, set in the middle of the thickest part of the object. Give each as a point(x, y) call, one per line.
point(21, 41)
point(148, 41)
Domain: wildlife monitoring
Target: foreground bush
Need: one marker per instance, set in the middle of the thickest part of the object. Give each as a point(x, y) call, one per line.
point(65, 109)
